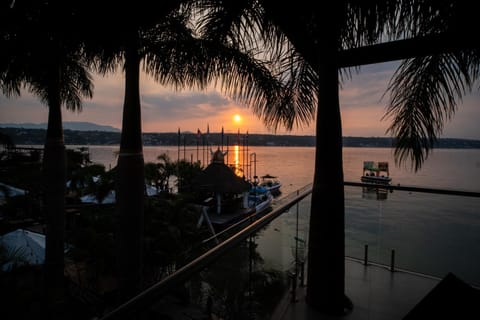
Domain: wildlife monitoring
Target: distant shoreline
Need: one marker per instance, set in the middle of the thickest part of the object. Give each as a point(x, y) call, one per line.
point(22, 136)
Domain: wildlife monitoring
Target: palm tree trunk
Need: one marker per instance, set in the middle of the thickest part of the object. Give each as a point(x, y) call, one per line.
point(326, 253)
point(130, 182)
point(54, 167)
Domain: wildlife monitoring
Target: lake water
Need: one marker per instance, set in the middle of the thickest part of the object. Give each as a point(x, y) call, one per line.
point(446, 168)
point(430, 233)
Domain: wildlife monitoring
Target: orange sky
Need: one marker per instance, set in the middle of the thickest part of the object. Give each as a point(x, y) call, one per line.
point(164, 110)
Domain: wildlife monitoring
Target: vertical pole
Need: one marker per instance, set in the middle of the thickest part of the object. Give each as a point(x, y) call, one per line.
point(365, 256)
point(243, 155)
point(302, 274)
point(392, 261)
point(250, 267)
point(246, 143)
point(203, 150)
point(179, 141)
point(222, 138)
point(227, 150)
point(296, 239)
point(255, 166)
point(293, 278)
point(295, 274)
point(178, 157)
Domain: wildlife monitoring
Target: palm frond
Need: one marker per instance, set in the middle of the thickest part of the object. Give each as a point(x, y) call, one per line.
point(368, 22)
point(76, 83)
point(236, 22)
point(35, 51)
point(425, 91)
point(175, 56)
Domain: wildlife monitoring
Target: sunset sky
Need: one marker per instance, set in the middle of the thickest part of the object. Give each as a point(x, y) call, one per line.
point(164, 110)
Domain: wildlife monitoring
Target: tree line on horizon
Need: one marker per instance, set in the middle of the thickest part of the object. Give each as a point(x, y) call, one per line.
point(21, 136)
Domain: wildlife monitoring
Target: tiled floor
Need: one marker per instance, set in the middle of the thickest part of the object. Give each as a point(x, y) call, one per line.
point(376, 293)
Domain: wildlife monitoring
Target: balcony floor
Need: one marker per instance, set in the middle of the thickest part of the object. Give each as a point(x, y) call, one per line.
point(376, 294)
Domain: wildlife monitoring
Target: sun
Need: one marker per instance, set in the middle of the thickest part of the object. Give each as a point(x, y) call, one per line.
point(237, 118)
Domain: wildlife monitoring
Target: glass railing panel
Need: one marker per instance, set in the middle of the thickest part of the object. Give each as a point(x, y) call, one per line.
point(226, 287)
point(245, 277)
point(284, 239)
point(364, 224)
point(249, 280)
point(429, 233)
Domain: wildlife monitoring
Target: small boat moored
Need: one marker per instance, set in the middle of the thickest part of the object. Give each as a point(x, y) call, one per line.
point(376, 173)
point(260, 198)
point(271, 183)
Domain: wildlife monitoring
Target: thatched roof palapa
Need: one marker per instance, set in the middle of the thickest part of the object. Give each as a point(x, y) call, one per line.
point(218, 177)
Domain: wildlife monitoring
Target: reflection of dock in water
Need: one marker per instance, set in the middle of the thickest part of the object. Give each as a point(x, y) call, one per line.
point(375, 193)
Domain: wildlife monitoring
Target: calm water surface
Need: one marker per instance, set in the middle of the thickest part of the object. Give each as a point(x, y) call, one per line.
point(433, 234)
point(446, 168)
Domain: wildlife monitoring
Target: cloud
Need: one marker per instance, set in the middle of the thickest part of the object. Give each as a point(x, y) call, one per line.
point(366, 88)
point(180, 105)
point(464, 123)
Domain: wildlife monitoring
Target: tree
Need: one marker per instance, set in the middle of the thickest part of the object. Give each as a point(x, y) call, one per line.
point(186, 173)
point(321, 40)
point(167, 168)
point(118, 35)
point(39, 53)
point(159, 173)
point(161, 42)
point(152, 174)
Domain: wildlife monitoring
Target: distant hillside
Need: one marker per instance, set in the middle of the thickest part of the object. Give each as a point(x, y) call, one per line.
point(22, 136)
point(68, 125)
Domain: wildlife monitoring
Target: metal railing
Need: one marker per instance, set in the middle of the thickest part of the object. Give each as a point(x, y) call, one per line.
point(146, 298)
point(414, 189)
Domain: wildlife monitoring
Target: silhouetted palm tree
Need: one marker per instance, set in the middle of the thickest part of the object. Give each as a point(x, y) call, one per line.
point(169, 51)
point(323, 38)
point(38, 54)
point(167, 169)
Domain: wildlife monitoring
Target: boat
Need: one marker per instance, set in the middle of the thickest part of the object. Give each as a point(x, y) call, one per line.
point(271, 183)
point(259, 198)
point(376, 173)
